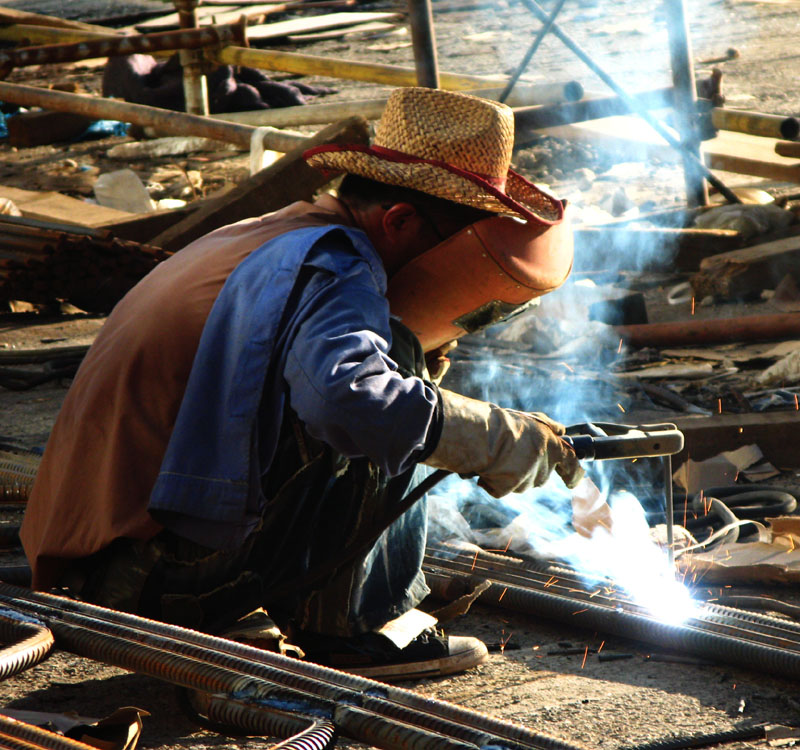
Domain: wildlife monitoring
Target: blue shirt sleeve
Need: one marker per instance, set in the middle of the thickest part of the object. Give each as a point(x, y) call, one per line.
point(344, 386)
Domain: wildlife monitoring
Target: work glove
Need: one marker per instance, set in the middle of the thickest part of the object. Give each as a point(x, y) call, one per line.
point(510, 451)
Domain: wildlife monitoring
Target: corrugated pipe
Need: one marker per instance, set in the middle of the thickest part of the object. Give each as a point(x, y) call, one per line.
point(17, 735)
point(366, 710)
point(30, 643)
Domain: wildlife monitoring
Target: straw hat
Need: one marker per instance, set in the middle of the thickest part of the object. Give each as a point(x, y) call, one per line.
point(453, 146)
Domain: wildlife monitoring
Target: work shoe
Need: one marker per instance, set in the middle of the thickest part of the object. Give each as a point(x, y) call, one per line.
point(430, 654)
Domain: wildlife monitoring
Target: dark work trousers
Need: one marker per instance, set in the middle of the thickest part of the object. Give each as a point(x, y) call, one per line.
point(312, 562)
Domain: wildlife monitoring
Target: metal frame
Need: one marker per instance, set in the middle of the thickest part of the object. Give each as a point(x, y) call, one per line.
point(683, 90)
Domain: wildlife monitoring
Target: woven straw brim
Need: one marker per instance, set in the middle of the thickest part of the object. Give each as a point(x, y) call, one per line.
point(520, 198)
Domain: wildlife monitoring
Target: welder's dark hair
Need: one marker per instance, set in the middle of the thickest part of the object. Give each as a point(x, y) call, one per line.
point(366, 192)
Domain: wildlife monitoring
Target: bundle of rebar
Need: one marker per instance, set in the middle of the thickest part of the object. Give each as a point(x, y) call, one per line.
point(556, 591)
point(17, 472)
point(257, 690)
point(42, 262)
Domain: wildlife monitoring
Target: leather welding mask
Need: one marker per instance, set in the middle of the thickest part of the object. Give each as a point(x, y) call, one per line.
point(479, 276)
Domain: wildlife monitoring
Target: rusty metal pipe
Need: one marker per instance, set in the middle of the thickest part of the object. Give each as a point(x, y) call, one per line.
point(755, 123)
point(714, 331)
point(391, 75)
point(33, 34)
point(165, 121)
point(126, 45)
point(527, 119)
point(420, 17)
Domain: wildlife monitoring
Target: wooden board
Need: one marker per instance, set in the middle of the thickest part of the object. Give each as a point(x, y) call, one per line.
point(315, 23)
point(205, 15)
point(370, 26)
point(729, 151)
point(57, 207)
point(289, 179)
point(748, 271)
point(222, 16)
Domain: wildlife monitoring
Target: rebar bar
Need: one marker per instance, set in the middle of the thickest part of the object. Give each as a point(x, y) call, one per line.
point(124, 45)
point(216, 665)
point(17, 735)
point(766, 643)
point(29, 642)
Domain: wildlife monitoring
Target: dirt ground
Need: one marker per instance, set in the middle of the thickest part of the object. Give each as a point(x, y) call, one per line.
point(614, 704)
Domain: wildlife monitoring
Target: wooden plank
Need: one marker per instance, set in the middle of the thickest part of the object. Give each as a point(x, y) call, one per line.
point(741, 153)
point(205, 15)
point(777, 433)
point(57, 207)
point(315, 23)
point(253, 12)
point(747, 272)
point(287, 180)
point(143, 227)
point(361, 28)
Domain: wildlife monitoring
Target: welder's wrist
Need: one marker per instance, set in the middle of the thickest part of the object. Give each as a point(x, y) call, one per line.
point(435, 429)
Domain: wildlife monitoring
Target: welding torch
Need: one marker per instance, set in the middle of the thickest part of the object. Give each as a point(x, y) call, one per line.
point(597, 441)
point(602, 441)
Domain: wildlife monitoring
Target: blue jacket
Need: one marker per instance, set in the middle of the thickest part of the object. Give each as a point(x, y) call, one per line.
point(303, 317)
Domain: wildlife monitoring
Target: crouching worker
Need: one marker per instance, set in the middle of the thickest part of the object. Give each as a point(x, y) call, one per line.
point(253, 413)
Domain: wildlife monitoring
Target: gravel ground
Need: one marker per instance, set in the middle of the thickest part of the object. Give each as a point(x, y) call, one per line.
point(613, 704)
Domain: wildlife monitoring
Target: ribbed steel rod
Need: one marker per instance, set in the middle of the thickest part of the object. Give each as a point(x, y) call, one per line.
point(17, 735)
point(125, 45)
point(29, 643)
point(163, 650)
point(746, 639)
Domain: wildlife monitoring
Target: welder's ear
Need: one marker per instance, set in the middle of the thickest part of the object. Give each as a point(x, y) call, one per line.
point(400, 220)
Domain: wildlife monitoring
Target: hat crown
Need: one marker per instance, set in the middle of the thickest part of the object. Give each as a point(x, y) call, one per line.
point(469, 133)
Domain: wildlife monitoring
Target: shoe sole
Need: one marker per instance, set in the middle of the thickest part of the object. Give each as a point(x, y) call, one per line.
point(458, 662)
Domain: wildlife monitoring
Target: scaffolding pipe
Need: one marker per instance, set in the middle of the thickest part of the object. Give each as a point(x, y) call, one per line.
point(34, 34)
point(664, 132)
point(195, 85)
point(391, 75)
point(163, 120)
point(755, 123)
point(423, 39)
point(372, 109)
point(680, 51)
